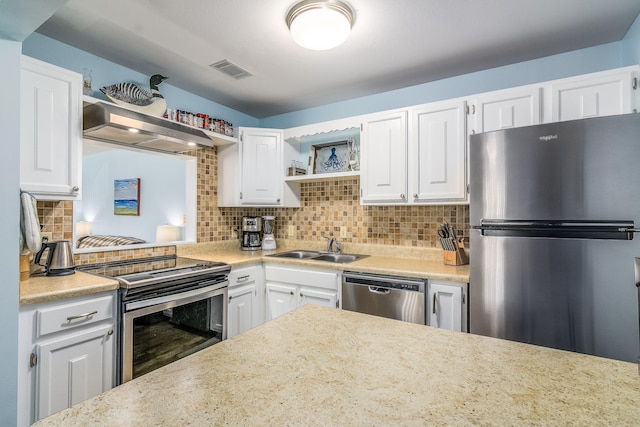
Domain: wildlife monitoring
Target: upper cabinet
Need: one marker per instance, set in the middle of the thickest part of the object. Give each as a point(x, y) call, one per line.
point(384, 158)
point(50, 131)
point(601, 94)
point(505, 109)
point(251, 173)
point(416, 156)
point(437, 153)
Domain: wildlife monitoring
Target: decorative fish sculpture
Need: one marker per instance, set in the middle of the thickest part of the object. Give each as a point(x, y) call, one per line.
point(132, 96)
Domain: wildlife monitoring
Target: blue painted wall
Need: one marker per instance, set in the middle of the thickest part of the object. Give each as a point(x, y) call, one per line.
point(9, 227)
point(583, 61)
point(105, 73)
point(589, 60)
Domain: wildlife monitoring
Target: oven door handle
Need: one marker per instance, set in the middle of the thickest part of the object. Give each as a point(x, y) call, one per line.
point(179, 298)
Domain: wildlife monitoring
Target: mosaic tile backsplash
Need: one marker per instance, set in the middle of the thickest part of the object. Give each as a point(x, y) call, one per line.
point(325, 207)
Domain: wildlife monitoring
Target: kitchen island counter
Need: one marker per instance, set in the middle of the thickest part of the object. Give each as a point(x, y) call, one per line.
point(321, 366)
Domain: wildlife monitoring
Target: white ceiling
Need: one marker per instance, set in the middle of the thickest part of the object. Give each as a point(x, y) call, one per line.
point(394, 43)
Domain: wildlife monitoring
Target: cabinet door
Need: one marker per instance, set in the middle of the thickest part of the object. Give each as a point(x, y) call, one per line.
point(506, 109)
point(438, 153)
point(262, 172)
point(446, 306)
point(74, 368)
point(50, 131)
point(592, 97)
point(281, 299)
point(318, 297)
point(384, 159)
point(241, 309)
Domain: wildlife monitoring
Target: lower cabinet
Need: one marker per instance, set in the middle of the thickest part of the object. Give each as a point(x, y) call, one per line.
point(291, 287)
point(246, 299)
point(447, 305)
point(67, 353)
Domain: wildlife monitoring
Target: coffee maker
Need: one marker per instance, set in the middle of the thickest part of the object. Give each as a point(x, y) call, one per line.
point(250, 238)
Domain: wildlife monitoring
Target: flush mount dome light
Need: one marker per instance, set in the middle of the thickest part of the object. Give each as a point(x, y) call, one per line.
point(320, 24)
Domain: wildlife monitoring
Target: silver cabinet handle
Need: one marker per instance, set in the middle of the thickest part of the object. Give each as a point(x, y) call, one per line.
point(230, 298)
point(243, 278)
point(80, 316)
point(291, 293)
point(415, 195)
point(301, 296)
point(110, 332)
point(402, 196)
point(435, 302)
point(75, 189)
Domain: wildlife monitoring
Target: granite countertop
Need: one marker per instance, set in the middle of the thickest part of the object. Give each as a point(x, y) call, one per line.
point(381, 260)
point(43, 288)
point(393, 260)
point(321, 366)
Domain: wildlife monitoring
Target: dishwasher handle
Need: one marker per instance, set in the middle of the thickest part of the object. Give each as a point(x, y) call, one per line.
point(379, 291)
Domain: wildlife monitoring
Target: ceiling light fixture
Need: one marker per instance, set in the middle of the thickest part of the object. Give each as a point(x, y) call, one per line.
point(320, 24)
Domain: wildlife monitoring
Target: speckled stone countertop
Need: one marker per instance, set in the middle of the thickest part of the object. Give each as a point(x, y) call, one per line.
point(381, 259)
point(393, 260)
point(327, 367)
point(42, 288)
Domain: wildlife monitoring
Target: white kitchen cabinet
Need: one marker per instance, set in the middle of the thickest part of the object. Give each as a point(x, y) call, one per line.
point(74, 368)
point(291, 287)
point(252, 173)
point(50, 131)
point(246, 299)
point(595, 95)
point(505, 109)
point(438, 153)
point(383, 176)
point(67, 353)
point(447, 305)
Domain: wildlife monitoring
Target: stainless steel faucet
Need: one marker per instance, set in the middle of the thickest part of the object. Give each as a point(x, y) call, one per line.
point(330, 242)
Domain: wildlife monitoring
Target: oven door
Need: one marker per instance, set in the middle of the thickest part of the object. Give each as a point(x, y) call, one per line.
point(161, 330)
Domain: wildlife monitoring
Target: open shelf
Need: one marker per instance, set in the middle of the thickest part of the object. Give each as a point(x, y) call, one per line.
point(322, 177)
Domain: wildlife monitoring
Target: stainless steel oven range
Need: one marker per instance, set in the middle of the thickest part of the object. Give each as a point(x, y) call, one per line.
point(169, 307)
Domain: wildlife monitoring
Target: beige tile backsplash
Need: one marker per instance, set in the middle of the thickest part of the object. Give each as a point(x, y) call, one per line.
point(325, 207)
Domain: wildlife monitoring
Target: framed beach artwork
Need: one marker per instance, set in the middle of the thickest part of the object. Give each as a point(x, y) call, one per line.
point(126, 197)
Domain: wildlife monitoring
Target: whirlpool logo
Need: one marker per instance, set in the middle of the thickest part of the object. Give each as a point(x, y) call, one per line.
point(548, 137)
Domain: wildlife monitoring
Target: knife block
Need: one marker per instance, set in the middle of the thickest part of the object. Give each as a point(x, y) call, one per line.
point(457, 257)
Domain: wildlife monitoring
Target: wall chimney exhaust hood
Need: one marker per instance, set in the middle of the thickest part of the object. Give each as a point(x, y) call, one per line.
point(118, 125)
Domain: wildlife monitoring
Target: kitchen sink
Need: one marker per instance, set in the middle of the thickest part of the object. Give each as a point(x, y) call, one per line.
point(320, 256)
point(339, 258)
point(296, 254)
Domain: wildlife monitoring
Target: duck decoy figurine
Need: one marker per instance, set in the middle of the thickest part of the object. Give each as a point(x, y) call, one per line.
point(132, 96)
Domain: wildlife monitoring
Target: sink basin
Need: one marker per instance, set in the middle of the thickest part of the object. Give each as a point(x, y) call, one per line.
point(319, 256)
point(296, 254)
point(339, 258)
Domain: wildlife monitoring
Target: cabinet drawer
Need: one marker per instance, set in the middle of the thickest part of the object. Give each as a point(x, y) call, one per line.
point(68, 316)
point(315, 278)
point(240, 276)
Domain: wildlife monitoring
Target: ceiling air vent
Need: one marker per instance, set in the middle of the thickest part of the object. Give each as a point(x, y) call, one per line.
point(230, 69)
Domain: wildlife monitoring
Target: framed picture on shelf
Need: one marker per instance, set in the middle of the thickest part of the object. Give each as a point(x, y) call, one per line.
point(330, 157)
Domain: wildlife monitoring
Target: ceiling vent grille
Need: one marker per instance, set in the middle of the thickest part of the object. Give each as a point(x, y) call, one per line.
point(230, 69)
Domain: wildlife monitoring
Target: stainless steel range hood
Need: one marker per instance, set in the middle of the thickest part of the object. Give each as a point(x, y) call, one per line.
point(114, 124)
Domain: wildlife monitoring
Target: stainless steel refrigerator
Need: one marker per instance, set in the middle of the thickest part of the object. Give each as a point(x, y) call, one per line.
point(554, 211)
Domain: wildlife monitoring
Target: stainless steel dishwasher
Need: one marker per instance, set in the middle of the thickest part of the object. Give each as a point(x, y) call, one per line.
point(394, 297)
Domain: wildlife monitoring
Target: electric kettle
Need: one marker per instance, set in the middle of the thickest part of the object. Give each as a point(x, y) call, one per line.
point(59, 259)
